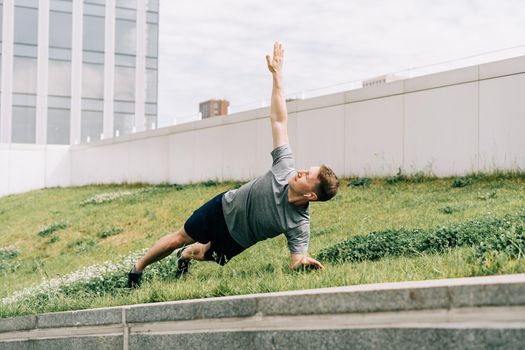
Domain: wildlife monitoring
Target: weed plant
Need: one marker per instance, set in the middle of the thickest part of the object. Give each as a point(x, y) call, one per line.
point(410, 242)
point(110, 232)
point(51, 229)
point(360, 182)
point(7, 263)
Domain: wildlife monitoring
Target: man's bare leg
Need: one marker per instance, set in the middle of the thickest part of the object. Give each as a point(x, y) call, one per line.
point(164, 247)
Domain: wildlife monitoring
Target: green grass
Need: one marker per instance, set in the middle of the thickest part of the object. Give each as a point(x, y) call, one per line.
point(85, 233)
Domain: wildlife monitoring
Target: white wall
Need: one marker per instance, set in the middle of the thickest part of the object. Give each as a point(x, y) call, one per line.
point(29, 167)
point(449, 123)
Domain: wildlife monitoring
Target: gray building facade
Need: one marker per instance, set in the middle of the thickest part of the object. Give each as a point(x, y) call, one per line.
point(77, 71)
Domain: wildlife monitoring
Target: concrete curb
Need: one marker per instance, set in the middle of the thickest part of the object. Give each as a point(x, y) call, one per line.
point(465, 313)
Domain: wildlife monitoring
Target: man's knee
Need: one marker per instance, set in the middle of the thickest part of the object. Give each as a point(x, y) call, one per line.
point(180, 239)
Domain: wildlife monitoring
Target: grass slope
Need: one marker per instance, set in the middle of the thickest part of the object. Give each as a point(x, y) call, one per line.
point(52, 232)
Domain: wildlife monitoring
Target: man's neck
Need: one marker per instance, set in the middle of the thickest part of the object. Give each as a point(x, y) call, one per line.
point(296, 199)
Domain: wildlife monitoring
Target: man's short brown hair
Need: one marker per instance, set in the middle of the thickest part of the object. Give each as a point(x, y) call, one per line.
point(329, 184)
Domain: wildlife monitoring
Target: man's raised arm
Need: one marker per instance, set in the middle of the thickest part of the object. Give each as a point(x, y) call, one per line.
point(278, 113)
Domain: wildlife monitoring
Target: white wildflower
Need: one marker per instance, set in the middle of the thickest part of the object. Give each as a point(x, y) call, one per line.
point(82, 276)
point(107, 197)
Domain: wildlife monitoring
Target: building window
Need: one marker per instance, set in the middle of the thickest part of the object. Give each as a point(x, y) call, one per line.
point(59, 78)
point(126, 32)
point(60, 28)
point(124, 83)
point(123, 123)
point(93, 80)
point(24, 75)
point(58, 126)
point(153, 5)
point(92, 125)
point(26, 26)
point(131, 4)
point(93, 33)
point(92, 104)
point(24, 124)
point(152, 42)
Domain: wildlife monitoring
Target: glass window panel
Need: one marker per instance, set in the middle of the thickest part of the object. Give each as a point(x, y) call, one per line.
point(24, 100)
point(124, 84)
point(58, 124)
point(58, 102)
point(153, 5)
point(124, 123)
point(101, 2)
point(66, 6)
point(24, 125)
point(151, 85)
point(1, 22)
point(152, 63)
point(150, 108)
point(59, 78)
point(127, 107)
point(26, 3)
point(93, 57)
point(89, 104)
point(24, 75)
point(94, 10)
point(26, 25)
point(125, 37)
point(60, 27)
point(152, 17)
point(125, 60)
point(92, 80)
point(152, 40)
point(92, 124)
point(126, 14)
point(25, 50)
point(150, 121)
point(127, 3)
point(93, 36)
point(59, 54)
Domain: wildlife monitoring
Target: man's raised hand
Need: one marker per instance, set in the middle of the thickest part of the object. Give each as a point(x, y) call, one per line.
point(275, 64)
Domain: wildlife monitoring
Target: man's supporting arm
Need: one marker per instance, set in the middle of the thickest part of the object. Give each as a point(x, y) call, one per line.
point(278, 112)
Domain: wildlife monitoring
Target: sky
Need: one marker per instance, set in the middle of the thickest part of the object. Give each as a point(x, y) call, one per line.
point(216, 49)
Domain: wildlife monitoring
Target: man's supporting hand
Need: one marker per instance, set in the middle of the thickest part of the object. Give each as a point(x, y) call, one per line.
point(299, 261)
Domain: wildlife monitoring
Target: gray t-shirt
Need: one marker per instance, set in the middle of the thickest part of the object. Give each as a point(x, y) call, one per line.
point(259, 209)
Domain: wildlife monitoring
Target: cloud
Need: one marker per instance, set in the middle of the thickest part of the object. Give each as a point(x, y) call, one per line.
point(216, 49)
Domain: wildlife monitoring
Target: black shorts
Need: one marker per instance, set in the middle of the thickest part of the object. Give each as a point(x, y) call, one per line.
point(207, 224)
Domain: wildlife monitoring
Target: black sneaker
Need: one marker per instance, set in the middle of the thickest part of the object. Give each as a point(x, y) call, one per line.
point(134, 279)
point(183, 266)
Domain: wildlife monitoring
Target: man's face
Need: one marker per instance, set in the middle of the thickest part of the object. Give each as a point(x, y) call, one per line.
point(305, 181)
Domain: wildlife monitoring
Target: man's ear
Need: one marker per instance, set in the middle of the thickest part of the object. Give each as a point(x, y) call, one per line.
point(312, 196)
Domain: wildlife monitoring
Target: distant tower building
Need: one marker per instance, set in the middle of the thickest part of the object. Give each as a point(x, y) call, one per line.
point(77, 71)
point(213, 108)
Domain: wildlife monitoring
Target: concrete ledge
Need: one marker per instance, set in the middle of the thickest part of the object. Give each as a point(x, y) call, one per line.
point(436, 80)
point(480, 312)
point(80, 318)
point(496, 69)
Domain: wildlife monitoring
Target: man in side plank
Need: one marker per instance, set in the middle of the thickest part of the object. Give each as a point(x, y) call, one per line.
point(275, 203)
